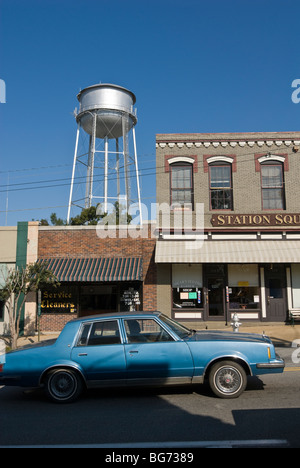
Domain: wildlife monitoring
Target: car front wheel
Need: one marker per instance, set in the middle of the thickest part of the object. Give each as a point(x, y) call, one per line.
point(227, 379)
point(63, 386)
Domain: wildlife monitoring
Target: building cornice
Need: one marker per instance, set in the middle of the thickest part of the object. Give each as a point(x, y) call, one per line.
point(230, 140)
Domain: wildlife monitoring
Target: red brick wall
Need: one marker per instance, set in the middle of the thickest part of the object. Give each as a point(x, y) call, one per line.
point(83, 242)
point(54, 322)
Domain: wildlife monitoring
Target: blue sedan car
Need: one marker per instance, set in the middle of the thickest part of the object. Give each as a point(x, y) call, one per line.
point(130, 349)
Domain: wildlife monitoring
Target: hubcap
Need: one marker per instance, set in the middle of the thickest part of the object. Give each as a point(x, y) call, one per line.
point(63, 385)
point(228, 380)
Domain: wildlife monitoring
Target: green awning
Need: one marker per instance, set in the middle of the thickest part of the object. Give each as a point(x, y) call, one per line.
point(95, 269)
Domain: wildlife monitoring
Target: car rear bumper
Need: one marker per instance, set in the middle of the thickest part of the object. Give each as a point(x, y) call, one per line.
point(13, 380)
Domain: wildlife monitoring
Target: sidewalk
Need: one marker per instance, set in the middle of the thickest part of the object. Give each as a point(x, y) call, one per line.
point(282, 335)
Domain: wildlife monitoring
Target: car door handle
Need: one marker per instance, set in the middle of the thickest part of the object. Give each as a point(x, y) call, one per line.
point(82, 354)
point(133, 352)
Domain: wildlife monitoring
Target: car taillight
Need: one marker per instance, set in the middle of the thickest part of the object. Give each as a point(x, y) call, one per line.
point(1, 367)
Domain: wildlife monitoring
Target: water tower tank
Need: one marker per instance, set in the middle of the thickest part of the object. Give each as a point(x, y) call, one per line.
point(106, 160)
point(109, 103)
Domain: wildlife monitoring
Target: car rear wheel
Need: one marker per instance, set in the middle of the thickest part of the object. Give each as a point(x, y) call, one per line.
point(63, 386)
point(227, 379)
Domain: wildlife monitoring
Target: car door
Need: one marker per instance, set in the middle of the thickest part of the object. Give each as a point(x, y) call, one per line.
point(154, 356)
point(100, 353)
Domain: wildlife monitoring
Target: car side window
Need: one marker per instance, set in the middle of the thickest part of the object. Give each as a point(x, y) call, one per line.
point(84, 335)
point(101, 333)
point(145, 331)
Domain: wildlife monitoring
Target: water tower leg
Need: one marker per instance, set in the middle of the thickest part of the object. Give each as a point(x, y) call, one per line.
point(137, 176)
point(118, 169)
point(73, 174)
point(90, 169)
point(126, 162)
point(105, 173)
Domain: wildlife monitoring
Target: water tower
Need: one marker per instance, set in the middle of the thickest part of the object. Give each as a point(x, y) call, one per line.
point(107, 161)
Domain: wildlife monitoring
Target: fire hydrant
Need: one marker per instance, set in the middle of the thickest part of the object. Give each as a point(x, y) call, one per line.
point(235, 323)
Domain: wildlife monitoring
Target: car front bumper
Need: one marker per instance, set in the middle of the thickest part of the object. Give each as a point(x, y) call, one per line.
point(277, 363)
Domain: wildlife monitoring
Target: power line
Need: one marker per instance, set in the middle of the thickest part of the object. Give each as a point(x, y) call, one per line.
point(82, 179)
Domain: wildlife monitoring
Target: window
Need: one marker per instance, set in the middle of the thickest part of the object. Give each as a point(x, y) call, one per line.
point(221, 196)
point(187, 286)
point(100, 333)
point(272, 182)
point(145, 331)
point(244, 291)
point(181, 185)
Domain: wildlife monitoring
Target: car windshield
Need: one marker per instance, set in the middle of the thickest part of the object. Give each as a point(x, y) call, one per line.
point(179, 329)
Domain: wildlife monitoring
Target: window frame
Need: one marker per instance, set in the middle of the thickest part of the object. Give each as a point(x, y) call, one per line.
point(89, 326)
point(141, 337)
point(273, 163)
point(221, 189)
point(178, 205)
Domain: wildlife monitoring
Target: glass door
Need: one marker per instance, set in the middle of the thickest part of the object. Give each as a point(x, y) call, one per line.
point(216, 297)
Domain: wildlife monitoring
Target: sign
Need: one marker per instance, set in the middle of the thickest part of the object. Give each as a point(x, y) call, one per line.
point(60, 300)
point(256, 220)
point(131, 299)
point(243, 284)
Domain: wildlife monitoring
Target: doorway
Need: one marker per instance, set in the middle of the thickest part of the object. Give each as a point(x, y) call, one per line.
point(98, 299)
point(215, 292)
point(276, 298)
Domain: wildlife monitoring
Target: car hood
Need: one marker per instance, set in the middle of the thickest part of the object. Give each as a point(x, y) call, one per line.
point(216, 335)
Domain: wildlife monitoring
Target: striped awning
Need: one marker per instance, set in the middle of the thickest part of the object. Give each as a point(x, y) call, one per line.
point(95, 269)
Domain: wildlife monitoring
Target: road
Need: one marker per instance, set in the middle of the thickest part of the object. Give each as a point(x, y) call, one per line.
point(268, 410)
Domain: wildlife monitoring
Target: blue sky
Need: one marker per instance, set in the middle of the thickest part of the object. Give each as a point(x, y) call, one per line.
point(194, 66)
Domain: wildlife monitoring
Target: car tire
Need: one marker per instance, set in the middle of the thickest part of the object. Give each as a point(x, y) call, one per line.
point(63, 386)
point(227, 379)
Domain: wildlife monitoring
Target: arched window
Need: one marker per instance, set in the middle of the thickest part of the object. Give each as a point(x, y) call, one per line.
point(220, 184)
point(182, 185)
point(272, 184)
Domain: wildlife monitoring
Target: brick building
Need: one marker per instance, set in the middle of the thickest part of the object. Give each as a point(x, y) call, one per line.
point(241, 250)
point(97, 274)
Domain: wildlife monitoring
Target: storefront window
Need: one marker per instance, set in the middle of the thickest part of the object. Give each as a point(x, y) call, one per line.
point(243, 287)
point(187, 285)
point(98, 299)
point(61, 300)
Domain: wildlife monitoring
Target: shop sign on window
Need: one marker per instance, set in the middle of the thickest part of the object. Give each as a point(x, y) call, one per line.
point(131, 299)
point(58, 301)
point(184, 298)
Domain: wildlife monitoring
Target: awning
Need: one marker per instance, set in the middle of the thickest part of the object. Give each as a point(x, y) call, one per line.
point(239, 251)
point(95, 269)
